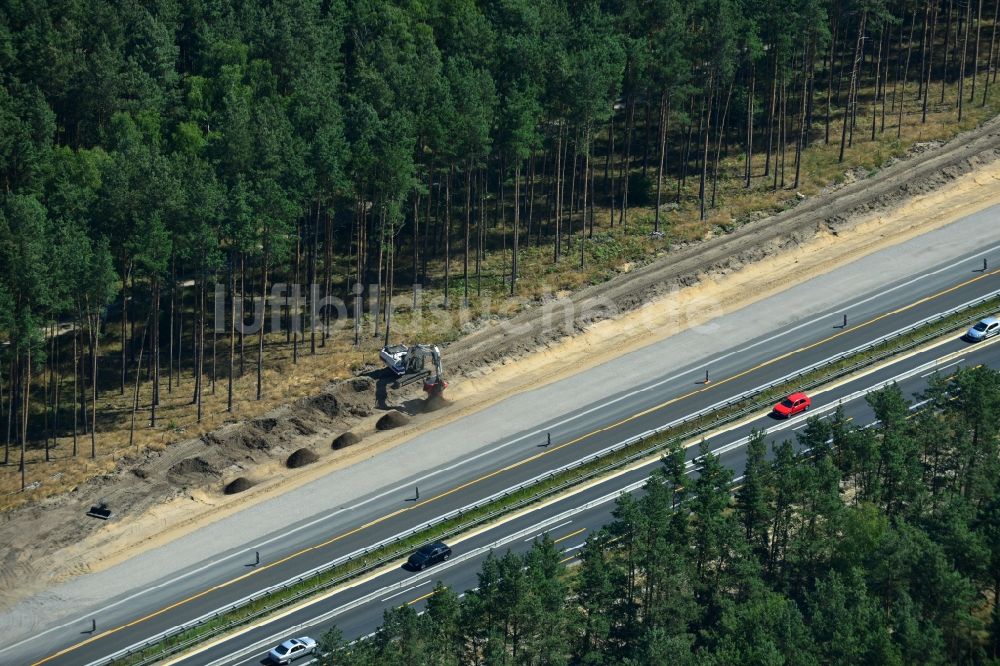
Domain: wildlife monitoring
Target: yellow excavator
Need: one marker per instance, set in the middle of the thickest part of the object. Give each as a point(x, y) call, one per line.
point(411, 364)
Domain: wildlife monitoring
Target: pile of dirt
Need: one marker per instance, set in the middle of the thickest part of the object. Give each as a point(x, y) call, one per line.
point(344, 440)
point(238, 485)
point(434, 403)
point(340, 400)
point(392, 420)
point(301, 458)
point(240, 436)
point(192, 469)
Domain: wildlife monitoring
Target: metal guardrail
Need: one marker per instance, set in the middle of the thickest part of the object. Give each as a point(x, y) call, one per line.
point(646, 452)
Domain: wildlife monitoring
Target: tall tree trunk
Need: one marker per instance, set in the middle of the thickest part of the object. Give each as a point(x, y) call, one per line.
point(95, 340)
point(965, 50)
point(947, 42)
point(878, 72)
point(313, 287)
point(586, 170)
point(25, 404)
point(906, 72)
point(447, 233)
point(481, 226)
point(201, 339)
point(923, 50)
point(660, 162)
point(627, 165)
point(772, 112)
point(154, 349)
point(748, 169)
point(975, 61)
point(556, 246)
point(232, 332)
point(390, 283)
point(848, 111)
point(704, 159)
point(530, 194)
point(467, 232)
point(12, 409)
point(416, 229)
point(610, 177)
point(263, 327)
point(328, 269)
point(517, 224)
point(76, 374)
point(829, 83)
point(779, 158)
point(930, 66)
point(807, 68)
point(135, 393)
point(720, 131)
point(127, 264)
point(989, 62)
point(645, 140)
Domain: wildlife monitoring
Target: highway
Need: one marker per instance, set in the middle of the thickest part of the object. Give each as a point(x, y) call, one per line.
point(493, 465)
point(569, 521)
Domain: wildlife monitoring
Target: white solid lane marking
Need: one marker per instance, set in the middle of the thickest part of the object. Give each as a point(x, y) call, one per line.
point(551, 529)
point(942, 368)
point(409, 589)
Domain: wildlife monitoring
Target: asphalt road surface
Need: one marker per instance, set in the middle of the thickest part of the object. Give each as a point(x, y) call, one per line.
point(664, 391)
point(569, 521)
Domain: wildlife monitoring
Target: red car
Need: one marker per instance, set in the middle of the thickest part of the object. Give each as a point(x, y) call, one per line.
point(792, 405)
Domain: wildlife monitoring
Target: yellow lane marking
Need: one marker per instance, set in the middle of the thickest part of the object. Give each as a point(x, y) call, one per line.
point(419, 599)
point(570, 535)
point(512, 466)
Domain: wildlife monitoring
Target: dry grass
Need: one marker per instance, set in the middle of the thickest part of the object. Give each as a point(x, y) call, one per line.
point(610, 252)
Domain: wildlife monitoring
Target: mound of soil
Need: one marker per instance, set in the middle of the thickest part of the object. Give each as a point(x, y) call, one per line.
point(327, 403)
point(193, 466)
point(239, 436)
point(392, 420)
point(238, 485)
point(344, 440)
point(363, 384)
point(434, 403)
point(266, 424)
point(301, 458)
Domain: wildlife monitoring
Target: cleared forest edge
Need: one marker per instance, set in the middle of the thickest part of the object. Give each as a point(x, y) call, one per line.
point(177, 490)
point(832, 211)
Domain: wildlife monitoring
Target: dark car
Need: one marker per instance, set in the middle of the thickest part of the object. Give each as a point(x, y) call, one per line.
point(428, 555)
point(792, 405)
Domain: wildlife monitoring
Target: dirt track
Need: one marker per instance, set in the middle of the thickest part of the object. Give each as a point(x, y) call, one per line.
point(172, 488)
point(919, 174)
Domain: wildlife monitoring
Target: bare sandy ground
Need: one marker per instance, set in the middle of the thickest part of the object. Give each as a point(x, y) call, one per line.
point(638, 308)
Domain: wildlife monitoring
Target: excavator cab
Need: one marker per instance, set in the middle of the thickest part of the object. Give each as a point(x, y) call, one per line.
point(414, 363)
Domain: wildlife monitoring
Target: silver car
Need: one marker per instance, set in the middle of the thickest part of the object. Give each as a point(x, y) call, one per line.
point(292, 649)
point(986, 328)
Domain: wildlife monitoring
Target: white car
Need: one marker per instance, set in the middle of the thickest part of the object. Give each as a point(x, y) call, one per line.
point(986, 328)
point(292, 649)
